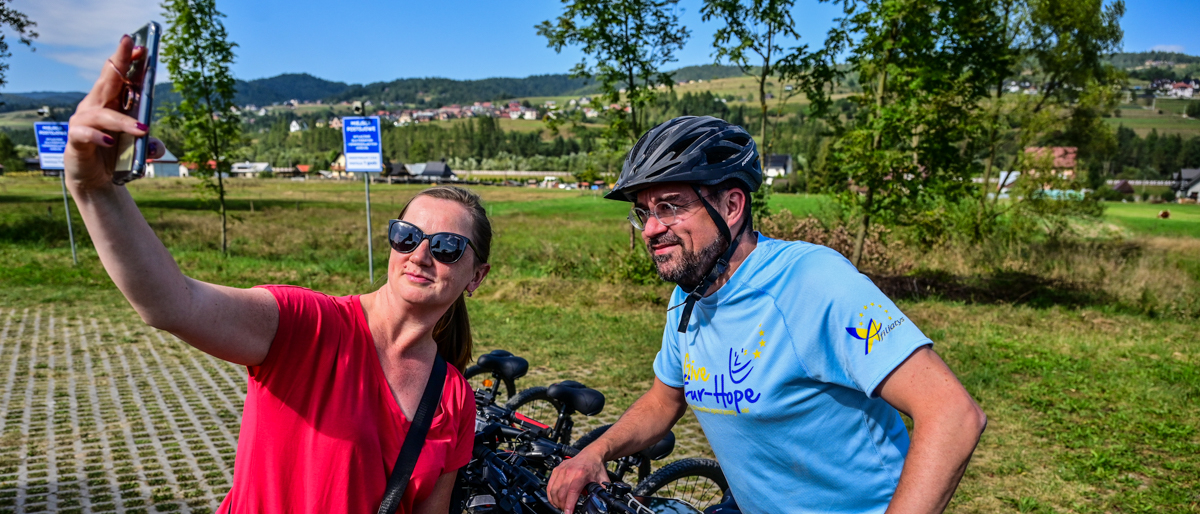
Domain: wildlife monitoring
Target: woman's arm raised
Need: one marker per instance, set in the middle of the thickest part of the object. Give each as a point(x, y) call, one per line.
point(233, 324)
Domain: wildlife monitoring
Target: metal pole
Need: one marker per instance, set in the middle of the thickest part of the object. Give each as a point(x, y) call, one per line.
point(67, 208)
point(370, 252)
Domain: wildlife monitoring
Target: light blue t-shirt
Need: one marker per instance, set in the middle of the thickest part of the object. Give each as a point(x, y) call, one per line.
point(782, 367)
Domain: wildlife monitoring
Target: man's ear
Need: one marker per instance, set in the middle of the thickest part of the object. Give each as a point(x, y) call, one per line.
point(735, 202)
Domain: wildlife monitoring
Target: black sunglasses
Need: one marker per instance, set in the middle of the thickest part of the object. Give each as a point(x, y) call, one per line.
point(445, 247)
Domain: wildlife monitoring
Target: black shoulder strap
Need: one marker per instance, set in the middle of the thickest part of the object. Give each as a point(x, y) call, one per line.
point(718, 267)
point(415, 439)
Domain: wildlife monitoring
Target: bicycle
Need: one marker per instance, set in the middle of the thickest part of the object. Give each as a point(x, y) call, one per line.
point(501, 366)
point(697, 481)
point(513, 481)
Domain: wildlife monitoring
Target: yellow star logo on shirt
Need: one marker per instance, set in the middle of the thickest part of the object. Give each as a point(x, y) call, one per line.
point(762, 343)
point(756, 352)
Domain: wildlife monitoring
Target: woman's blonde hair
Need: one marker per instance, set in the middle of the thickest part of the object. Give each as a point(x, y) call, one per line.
point(453, 331)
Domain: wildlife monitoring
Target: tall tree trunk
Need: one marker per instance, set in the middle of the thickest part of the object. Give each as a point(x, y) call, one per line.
point(991, 159)
point(224, 225)
point(762, 102)
point(861, 238)
point(215, 147)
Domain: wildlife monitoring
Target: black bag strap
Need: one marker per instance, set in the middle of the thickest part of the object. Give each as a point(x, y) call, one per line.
point(415, 439)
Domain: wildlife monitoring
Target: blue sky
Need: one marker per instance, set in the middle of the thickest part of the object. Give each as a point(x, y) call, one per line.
point(377, 40)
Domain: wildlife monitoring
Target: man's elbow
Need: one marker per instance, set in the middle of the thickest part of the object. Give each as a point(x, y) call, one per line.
point(974, 420)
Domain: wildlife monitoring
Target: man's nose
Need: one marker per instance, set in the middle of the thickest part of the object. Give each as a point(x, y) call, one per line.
point(653, 228)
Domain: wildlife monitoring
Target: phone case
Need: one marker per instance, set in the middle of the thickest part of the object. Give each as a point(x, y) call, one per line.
point(131, 151)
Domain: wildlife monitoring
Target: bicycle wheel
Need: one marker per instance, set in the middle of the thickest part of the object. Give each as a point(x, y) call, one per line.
point(535, 403)
point(698, 482)
point(590, 437)
point(475, 376)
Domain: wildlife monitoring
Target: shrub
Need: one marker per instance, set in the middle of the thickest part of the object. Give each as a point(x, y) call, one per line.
point(786, 226)
point(1193, 109)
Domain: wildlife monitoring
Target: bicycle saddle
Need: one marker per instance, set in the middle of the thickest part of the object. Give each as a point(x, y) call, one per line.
point(577, 398)
point(660, 449)
point(504, 364)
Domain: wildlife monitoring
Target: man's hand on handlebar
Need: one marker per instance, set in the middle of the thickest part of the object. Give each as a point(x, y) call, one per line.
point(568, 480)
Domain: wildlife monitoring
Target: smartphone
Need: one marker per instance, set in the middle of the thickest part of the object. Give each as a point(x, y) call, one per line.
point(137, 100)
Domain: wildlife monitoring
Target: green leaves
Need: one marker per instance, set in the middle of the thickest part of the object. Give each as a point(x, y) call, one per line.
point(19, 23)
point(198, 53)
point(626, 43)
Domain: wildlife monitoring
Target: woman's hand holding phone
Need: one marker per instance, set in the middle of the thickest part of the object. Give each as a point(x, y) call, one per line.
point(91, 152)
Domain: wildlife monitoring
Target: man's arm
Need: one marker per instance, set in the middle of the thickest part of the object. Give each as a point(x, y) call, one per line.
point(947, 424)
point(646, 422)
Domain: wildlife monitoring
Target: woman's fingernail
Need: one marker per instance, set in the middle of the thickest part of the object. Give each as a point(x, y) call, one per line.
point(143, 127)
point(136, 48)
point(108, 140)
point(123, 36)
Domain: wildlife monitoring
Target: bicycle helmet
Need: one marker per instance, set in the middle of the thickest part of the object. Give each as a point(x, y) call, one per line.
point(697, 149)
point(700, 151)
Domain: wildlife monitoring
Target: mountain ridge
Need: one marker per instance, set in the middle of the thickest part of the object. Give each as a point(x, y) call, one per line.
point(435, 91)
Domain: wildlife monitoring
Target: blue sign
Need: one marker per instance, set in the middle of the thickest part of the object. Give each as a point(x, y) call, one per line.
point(363, 144)
point(51, 143)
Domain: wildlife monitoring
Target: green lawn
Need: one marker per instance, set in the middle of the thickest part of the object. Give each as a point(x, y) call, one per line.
point(1142, 121)
point(1142, 218)
point(1091, 410)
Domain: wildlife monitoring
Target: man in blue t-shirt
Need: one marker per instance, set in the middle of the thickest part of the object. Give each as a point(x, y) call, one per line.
point(796, 366)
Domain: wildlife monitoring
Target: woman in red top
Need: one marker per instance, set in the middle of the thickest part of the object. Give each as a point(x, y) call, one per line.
point(333, 381)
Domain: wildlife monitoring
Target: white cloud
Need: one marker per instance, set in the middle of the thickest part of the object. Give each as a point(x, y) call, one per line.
point(1167, 48)
point(89, 23)
point(83, 33)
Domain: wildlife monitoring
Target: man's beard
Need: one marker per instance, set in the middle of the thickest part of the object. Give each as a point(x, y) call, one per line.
point(691, 266)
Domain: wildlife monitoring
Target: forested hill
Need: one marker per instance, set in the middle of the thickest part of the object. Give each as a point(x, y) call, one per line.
point(26, 101)
point(1127, 60)
point(280, 88)
point(450, 91)
point(429, 91)
point(439, 91)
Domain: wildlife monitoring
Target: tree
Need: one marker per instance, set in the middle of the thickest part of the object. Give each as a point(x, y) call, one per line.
point(756, 31)
point(923, 66)
point(752, 39)
point(198, 53)
point(21, 25)
point(629, 42)
point(1061, 47)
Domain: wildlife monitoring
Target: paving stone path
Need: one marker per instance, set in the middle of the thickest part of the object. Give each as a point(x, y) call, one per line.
point(100, 413)
point(108, 415)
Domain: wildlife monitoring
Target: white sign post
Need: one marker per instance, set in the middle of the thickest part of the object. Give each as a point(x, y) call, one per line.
point(362, 143)
point(52, 144)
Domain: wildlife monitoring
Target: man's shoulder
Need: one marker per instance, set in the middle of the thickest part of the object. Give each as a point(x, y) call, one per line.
point(794, 263)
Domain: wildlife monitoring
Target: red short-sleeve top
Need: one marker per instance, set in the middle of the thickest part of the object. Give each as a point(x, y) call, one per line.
point(320, 428)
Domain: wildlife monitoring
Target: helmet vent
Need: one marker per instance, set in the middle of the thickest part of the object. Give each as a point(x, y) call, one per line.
point(718, 154)
point(739, 140)
point(684, 144)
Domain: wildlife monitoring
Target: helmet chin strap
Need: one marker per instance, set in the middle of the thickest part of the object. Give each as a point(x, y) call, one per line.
point(718, 267)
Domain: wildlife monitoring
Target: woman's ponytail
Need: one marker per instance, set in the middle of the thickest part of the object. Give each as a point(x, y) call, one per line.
point(453, 335)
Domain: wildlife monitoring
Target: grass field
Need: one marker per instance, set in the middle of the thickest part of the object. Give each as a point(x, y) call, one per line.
point(1142, 218)
point(1091, 409)
point(1142, 121)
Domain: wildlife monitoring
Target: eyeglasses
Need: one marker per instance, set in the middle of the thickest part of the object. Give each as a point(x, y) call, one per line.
point(667, 213)
point(445, 247)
